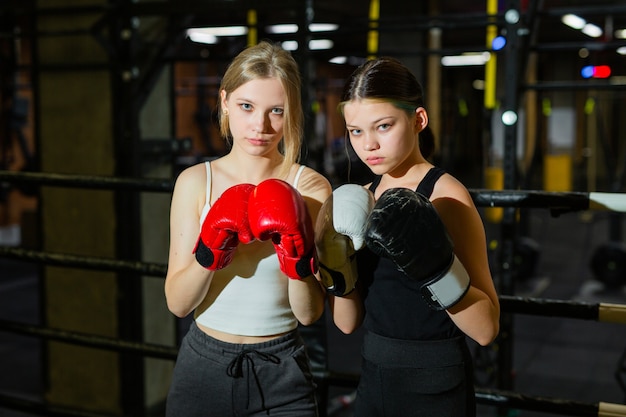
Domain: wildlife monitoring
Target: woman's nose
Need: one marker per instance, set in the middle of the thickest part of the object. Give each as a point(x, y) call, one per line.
point(260, 123)
point(370, 145)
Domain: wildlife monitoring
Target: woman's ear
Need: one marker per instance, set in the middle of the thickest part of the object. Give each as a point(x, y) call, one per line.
point(421, 119)
point(223, 95)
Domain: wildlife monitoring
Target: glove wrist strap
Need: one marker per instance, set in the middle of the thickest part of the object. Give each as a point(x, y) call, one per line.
point(300, 267)
point(447, 289)
point(340, 280)
point(212, 259)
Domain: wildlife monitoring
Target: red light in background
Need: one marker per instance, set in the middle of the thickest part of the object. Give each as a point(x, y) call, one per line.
point(602, 71)
point(597, 71)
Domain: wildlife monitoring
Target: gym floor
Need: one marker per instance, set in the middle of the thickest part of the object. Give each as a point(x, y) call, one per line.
point(556, 358)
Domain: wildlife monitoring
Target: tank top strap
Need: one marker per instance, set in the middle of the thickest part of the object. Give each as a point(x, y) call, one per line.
point(297, 178)
point(425, 187)
point(375, 183)
point(427, 184)
point(207, 200)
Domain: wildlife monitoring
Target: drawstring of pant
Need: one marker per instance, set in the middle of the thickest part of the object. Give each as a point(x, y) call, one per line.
point(235, 370)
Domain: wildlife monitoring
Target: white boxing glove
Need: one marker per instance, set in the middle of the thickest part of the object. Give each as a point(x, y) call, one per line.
point(339, 234)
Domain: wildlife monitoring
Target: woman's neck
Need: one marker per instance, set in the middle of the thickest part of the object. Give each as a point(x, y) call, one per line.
point(408, 177)
point(252, 169)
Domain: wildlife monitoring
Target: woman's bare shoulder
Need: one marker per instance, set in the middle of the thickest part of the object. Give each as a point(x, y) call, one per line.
point(312, 182)
point(192, 171)
point(191, 178)
point(450, 187)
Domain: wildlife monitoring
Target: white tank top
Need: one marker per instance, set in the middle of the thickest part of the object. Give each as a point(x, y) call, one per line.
point(248, 297)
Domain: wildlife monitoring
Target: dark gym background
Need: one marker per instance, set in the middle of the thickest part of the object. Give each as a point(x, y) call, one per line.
point(104, 102)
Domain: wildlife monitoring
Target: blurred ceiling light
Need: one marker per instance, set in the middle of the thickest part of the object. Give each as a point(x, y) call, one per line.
point(338, 60)
point(620, 34)
point(323, 27)
point(578, 23)
point(573, 21)
point(314, 45)
point(468, 59)
point(226, 30)
point(290, 45)
point(320, 44)
point(283, 28)
point(210, 34)
point(293, 28)
point(621, 50)
point(350, 60)
point(201, 37)
point(592, 30)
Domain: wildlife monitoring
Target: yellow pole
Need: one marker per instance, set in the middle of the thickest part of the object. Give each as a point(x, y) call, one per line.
point(372, 34)
point(494, 176)
point(490, 66)
point(252, 30)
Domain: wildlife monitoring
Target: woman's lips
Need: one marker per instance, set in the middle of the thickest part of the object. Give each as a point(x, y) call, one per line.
point(257, 141)
point(374, 160)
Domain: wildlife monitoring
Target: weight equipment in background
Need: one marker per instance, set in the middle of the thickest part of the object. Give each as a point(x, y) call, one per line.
point(608, 264)
point(608, 261)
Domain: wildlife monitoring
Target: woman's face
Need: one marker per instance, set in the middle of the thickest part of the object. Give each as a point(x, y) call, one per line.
point(256, 115)
point(384, 136)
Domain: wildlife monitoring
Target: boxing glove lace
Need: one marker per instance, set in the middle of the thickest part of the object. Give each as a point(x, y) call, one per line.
point(405, 227)
point(278, 212)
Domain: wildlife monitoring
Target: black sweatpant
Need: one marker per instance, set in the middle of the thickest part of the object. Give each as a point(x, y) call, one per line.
point(215, 378)
point(415, 378)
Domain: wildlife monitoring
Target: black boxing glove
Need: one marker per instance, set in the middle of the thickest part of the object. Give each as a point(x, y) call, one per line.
point(405, 227)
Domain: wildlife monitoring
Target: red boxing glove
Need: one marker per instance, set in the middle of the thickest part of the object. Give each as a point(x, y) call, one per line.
point(225, 225)
point(277, 211)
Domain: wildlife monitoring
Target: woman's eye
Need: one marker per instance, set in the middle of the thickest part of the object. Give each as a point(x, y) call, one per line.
point(277, 110)
point(355, 132)
point(384, 126)
point(246, 106)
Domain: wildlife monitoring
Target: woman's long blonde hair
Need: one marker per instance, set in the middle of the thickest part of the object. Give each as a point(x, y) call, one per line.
point(267, 60)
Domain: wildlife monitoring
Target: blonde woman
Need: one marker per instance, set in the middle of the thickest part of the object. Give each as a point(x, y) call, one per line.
point(242, 256)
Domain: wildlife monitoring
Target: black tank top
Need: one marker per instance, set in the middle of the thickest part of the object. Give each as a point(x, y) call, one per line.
point(393, 302)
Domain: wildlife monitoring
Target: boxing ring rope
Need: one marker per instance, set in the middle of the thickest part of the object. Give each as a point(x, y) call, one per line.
point(559, 202)
point(91, 340)
point(515, 400)
point(556, 202)
point(33, 407)
point(489, 397)
point(88, 181)
point(602, 312)
point(86, 262)
point(551, 405)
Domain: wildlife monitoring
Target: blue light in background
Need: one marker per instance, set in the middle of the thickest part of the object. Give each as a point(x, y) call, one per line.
point(498, 43)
